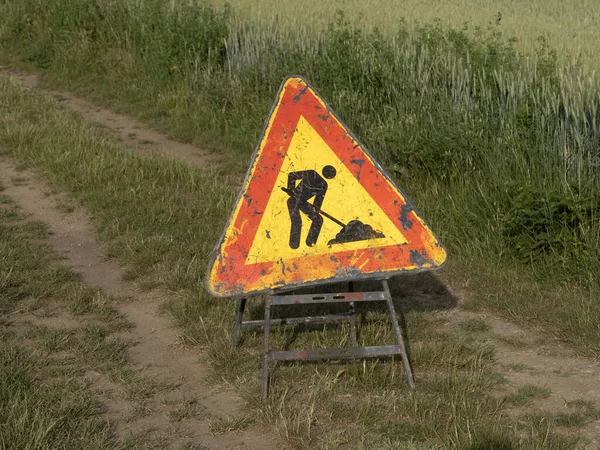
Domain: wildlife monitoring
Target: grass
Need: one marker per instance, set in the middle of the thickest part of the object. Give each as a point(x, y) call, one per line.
point(56, 336)
point(498, 148)
point(167, 239)
point(226, 424)
point(475, 325)
point(186, 409)
point(526, 394)
point(582, 413)
point(492, 114)
point(513, 341)
point(45, 402)
point(518, 367)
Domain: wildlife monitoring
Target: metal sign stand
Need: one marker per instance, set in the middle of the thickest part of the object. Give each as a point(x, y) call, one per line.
point(327, 353)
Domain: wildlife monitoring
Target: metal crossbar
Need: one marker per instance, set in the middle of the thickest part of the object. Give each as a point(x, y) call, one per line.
point(344, 297)
point(327, 353)
point(333, 353)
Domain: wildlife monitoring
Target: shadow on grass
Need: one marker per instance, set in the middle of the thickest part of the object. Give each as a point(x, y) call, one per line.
point(419, 292)
point(411, 292)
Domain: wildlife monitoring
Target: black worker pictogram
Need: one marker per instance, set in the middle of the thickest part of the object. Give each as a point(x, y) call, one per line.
point(303, 186)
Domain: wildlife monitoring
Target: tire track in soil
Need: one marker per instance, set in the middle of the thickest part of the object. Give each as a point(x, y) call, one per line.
point(553, 365)
point(133, 133)
point(157, 353)
point(529, 357)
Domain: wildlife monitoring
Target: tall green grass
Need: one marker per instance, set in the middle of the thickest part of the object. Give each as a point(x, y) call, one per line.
point(571, 28)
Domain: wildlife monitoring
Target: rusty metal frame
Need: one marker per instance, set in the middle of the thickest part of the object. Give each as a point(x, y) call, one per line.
point(350, 297)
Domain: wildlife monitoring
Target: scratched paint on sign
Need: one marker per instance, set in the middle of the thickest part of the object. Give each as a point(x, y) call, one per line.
point(316, 207)
point(343, 198)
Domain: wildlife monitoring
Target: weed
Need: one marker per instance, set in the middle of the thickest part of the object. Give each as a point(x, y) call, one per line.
point(526, 394)
point(518, 367)
point(228, 423)
point(513, 341)
point(18, 181)
point(186, 409)
point(585, 412)
point(543, 221)
point(65, 205)
point(475, 325)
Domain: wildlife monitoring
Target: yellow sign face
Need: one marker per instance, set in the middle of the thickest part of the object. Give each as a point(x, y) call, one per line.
point(315, 208)
point(344, 199)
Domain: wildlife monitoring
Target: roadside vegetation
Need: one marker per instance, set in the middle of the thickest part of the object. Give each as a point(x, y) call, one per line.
point(45, 360)
point(498, 149)
point(148, 211)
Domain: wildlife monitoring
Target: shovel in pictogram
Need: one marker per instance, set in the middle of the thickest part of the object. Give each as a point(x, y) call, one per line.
point(353, 231)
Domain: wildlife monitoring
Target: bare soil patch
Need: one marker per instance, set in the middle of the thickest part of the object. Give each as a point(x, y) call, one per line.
point(158, 353)
point(530, 357)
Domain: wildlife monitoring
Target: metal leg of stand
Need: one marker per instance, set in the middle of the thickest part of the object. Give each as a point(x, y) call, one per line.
point(265, 380)
point(353, 333)
point(394, 319)
point(238, 322)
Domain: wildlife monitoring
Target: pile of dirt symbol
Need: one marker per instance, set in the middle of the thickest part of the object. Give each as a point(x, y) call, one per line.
point(356, 231)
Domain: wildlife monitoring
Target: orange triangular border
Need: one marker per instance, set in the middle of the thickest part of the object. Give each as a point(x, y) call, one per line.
point(230, 276)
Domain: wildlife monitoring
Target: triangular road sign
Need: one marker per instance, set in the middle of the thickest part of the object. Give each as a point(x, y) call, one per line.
point(315, 208)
